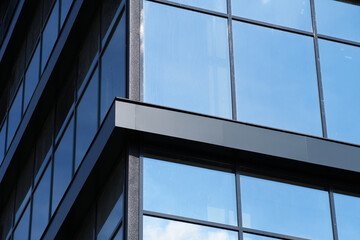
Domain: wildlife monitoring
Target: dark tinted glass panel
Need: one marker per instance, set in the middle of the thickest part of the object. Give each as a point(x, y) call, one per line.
point(32, 76)
point(109, 8)
point(87, 118)
point(248, 236)
point(113, 72)
point(338, 18)
point(63, 162)
point(214, 5)
point(283, 208)
point(65, 7)
point(86, 230)
point(17, 70)
point(49, 35)
point(41, 205)
point(33, 31)
point(289, 13)
point(186, 60)
point(161, 229)
point(347, 210)
point(340, 78)
point(276, 82)
point(110, 208)
point(7, 217)
point(169, 187)
point(2, 142)
point(22, 229)
point(14, 115)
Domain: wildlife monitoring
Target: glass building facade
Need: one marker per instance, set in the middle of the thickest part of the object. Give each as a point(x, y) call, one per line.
point(180, 119)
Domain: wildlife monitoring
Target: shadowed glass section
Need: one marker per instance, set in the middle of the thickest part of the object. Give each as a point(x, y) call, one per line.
point(65, 7)
point(248, 236)
point(22, 229)
point(113, 72)
point(338, 18)
point(41, 205)
point(32, 76)
point(288, 13)
point(14, 115)
point(2, 142)
point(340, 73)
point(213, 5)
point(49, 35)
point(171, 187)
point(276, 81)
point(347, 209)
point(186, 60)
point(161, 229)
point(285, 208)
point(87, 118)
point(63, 162)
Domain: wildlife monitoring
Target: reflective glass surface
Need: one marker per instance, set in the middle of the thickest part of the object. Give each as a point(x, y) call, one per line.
point(87, 118)
point(288, 13)
point(14, 116)
point(285, 209)
point(113, 72)
point(32, 76)
point(49, 35)
point(161, 229)
point(186, 60)
point(347, 209)
point(119, 235)
point(65, 7)
point(2, 142)
point(338, 18)
point(275, 78)
point(340, 73)
point(248, 236)
point(170, 187)
point(22, 229)
point(63, 162)
point(214, 5)
point(41, 204)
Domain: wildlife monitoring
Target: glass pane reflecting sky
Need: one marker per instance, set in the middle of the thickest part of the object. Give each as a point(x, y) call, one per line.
point(248, 236)
point(285, 208)
point(32, 76)
point(338, 19)
point(186, 60)
point(14, 115)
point(347, 209)
point(161, 229)
point(289, 13)
point(340, 71)
point(170, 187)
point(276, 82)
point(214, 5)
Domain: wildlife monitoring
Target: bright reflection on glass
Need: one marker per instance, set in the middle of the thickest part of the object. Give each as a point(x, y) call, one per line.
point(14, 115)
point(186, 62)
point(248, 236)
point(22, 229)
point(276, 82)
point(347, 209)
point(289, 13)
point(338, 18)
point(32, 76)
point(214, 5)
point(170, 187)
point(340, 73)
point(285, 208)
point(161, 229)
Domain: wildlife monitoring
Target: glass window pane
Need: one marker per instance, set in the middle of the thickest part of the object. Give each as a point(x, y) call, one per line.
point(347, 209)
point(108, 11)
point(49, 35)
point(340, 79)
point(6, 218)
point(2, 142)
point(169, 187)
point(32, 77)
point(87, 118)
point(161, 229)
point(22, 229)
point(113, 72)
point(282, 208)
point(63, 163)
point(288, 13)
point(120, 234)
point(65, 7)
point(214, 5)
point(186, 60)
point(338, 18)
point(276, 82)
point(14, 116)
point(248, 236)
point(41, 205)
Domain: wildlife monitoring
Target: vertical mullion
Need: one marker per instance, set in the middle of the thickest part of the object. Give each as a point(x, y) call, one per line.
point(318, 70)
point(333, 214)
point(238, 201)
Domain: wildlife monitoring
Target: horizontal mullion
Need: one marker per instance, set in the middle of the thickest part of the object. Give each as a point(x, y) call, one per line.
point(270, 234)
point(339, 40)
point(190, 220)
